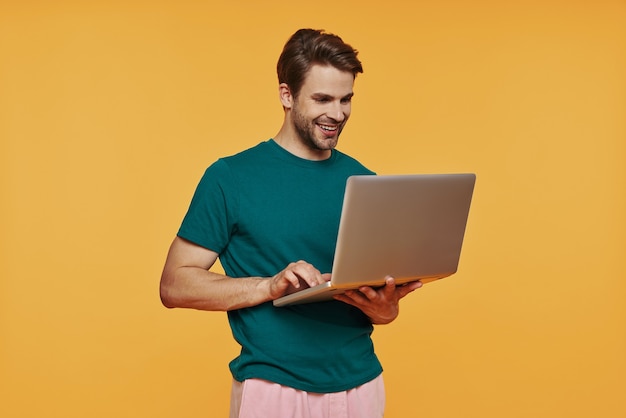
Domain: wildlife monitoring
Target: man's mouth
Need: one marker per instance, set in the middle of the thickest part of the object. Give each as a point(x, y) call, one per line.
point(329, 129)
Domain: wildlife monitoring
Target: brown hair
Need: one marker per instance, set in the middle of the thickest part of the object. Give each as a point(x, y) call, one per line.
point(309, 46)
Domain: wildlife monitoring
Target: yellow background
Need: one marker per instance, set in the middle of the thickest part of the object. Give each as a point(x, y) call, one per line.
point(111, 110)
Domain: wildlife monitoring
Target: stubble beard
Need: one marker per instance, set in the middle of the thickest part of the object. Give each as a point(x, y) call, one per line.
point(307, 129)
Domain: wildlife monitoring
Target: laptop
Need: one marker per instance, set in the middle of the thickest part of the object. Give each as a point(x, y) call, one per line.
point(410, 227)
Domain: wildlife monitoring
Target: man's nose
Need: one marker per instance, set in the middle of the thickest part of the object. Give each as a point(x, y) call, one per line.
point(337, 112)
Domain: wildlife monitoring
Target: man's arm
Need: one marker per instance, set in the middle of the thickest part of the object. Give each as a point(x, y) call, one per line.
point(381, 305)
point(186, 281)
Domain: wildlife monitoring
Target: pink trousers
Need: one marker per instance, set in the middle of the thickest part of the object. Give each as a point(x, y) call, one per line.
point(256, 398)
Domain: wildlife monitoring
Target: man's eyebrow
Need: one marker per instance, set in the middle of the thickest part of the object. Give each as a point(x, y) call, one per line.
point(328, 96)
point(321, 96)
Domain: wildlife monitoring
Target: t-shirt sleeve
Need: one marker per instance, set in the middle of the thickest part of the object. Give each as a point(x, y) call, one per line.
point(211, 217)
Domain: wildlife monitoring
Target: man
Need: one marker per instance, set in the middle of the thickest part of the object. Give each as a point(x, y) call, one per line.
point(271, 214)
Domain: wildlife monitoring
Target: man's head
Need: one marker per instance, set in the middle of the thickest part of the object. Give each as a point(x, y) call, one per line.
point(316, 73)
point(308, 47)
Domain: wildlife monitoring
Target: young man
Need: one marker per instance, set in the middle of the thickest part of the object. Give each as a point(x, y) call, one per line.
point(271, 214)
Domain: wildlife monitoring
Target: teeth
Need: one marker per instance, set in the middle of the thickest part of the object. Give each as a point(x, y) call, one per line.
point(328, 128)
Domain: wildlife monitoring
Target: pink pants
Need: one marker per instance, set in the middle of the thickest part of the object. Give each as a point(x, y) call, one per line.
point(256, 398)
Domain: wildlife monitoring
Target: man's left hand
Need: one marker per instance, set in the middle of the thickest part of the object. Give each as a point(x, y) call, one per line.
point(381, 305)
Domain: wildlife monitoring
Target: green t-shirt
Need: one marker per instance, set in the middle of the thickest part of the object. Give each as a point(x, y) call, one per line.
point(261, 210)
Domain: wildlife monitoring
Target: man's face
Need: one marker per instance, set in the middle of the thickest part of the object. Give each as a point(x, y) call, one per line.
point(322, 107)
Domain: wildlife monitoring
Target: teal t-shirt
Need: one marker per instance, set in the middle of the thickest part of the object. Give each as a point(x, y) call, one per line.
point(261, 210)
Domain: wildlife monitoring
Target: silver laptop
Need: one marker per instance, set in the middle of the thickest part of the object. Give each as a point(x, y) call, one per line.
point(410, 227)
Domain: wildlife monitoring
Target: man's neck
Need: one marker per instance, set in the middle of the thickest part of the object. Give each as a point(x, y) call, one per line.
point(290, 141)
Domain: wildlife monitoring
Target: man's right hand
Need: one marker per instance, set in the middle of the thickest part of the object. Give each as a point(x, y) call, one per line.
point(296, 276)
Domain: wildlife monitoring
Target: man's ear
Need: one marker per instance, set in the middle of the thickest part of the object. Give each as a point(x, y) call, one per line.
point(285, 96)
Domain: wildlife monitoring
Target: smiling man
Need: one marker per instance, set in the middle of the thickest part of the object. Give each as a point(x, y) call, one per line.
point(271, 215)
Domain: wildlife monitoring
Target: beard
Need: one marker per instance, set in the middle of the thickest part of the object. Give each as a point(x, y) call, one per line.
point(309, 132)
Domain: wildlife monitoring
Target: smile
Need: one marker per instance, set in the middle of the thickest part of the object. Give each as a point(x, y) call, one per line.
point(328, 128)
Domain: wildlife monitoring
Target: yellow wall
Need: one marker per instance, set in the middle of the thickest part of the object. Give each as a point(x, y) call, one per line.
point(110, 112)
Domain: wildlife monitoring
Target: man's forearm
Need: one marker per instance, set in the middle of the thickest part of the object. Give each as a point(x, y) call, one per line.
point(196, 288)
